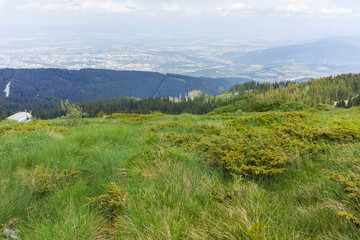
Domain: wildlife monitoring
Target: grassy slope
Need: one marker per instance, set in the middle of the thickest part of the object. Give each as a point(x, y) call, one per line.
point(173, 191)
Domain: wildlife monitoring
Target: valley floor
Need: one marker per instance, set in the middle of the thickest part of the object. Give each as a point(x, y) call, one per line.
point(274, 175)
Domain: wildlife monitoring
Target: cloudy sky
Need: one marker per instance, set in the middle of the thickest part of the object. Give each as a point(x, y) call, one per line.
point(267, 18)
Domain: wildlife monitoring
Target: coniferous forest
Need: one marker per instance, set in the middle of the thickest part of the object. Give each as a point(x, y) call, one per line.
point(340, 91)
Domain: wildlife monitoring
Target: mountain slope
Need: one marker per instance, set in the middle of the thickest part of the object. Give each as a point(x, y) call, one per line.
point(31, 85)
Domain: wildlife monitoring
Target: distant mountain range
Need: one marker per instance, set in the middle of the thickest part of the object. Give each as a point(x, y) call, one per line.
point(334, 51)
point(325, 57)
point(28, 86)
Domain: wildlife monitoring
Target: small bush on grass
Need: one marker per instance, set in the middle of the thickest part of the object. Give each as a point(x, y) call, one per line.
point(249, 159)
point(43, 180)
point(130, 117)
point(111, 203)
point(73, 112)
point(350, 217)
point(257, 231)
point(15, 127)
point(293, 106)
point(351, 184)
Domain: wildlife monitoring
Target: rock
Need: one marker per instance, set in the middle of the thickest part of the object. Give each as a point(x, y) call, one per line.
point(11, 233)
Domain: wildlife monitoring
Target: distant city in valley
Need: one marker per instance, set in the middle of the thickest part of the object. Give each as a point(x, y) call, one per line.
point(215, 57)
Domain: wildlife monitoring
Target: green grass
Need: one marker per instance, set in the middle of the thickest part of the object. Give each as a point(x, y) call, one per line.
point(174, 182)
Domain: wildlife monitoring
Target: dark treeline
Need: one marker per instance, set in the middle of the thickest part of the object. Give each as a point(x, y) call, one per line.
point(43, 109)
point(6, 110)
point(260, 87)
point(200, 105)
point(342, 91)
point(50, 110)
point(326, 90)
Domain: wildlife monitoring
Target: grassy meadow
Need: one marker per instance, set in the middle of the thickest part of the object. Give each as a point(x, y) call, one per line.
point(273, 175)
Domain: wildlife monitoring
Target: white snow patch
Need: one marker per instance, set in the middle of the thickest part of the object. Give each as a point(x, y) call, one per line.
point(7, 90)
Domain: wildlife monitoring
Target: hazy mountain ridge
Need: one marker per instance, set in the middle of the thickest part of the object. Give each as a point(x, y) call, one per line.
point(331, 56)
point(331, 51)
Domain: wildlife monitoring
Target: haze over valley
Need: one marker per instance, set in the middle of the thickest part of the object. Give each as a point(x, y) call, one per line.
point(216, 57)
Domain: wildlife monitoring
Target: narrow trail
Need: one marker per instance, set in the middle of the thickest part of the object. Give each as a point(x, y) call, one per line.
point(161, 83)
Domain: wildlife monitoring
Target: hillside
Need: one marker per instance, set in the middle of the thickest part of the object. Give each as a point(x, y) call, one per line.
point(274, 175)
point(340, 91)
point(268, 161)
point(33, 85)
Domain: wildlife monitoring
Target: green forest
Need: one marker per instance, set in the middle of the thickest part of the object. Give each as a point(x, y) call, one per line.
point(342, 91)
point(43, 89)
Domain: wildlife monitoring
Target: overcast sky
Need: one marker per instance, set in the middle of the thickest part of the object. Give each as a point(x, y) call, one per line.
point(266, 18)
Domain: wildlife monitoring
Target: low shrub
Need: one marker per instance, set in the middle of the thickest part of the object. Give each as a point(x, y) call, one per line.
point(351, 183)
point(257, 231)
point(43, 180)
point(265, 143)
point(135, 117)
point(231, 108)
point(255, 158)
point(111, 203)
point(15, 127)
point(293, 106)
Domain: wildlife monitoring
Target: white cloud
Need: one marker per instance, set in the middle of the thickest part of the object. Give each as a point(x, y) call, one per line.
point(173, 7)
point(336, 11)
point(188, 8)
point(302, 8)
point(110, 6)
point(238, 6)
point(306, 8)
point(79, 5)
point(279, 3)
point(228, 8)
point(290, 10)
point(282, 8)
point(233, 7)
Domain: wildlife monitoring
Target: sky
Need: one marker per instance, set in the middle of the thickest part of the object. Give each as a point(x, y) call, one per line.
point(233, 18)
